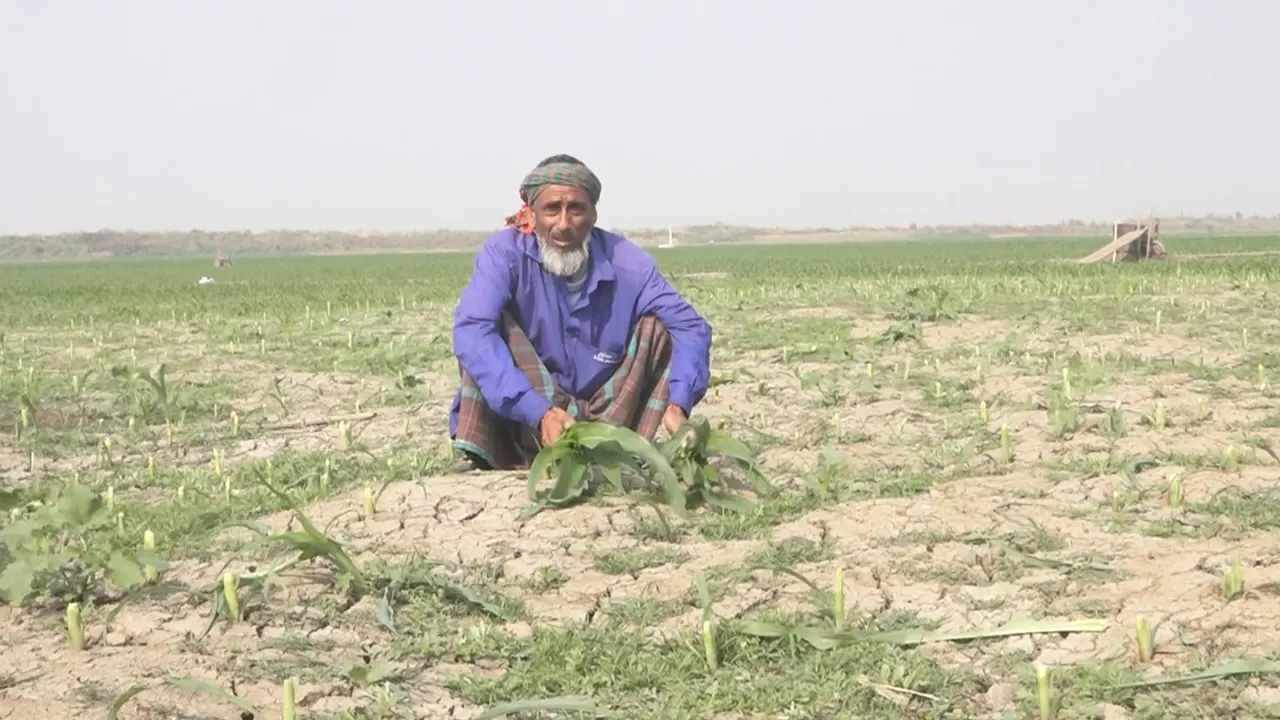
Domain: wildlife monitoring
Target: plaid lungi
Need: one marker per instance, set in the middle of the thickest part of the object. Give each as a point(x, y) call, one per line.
point(635, 396)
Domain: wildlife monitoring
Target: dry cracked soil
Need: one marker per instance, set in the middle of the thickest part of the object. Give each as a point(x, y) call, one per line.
point(950, 468)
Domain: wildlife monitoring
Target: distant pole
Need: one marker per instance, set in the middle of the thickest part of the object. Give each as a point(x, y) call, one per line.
point(671, 240)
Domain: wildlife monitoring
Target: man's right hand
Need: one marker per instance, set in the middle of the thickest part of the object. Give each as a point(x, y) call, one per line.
point(554, 422)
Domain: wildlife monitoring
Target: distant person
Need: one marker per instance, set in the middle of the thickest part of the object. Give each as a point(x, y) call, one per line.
point(563, 321)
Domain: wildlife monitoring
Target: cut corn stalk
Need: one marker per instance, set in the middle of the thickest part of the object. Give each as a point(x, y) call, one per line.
point(149, 543)
point(709, 645)
point(288, 709)
point(1233, 581)
point(230, 593)
point(1175, 491)
point(839, 608)
point(1145, 640)
point(1044, 692)
point(75, 627)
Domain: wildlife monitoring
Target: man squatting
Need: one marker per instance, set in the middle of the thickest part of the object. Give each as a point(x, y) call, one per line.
point(564, 321)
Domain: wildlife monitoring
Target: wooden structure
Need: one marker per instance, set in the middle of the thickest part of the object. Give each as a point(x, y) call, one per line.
point(223, 260)
point(1131, 241)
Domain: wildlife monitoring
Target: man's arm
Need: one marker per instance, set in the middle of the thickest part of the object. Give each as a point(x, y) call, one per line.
point(690, 340)
point(478, 343)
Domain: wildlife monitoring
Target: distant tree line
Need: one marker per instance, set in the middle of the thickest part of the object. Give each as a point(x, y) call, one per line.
point(194, 243)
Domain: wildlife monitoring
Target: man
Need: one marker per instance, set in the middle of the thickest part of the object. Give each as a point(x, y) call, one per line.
point(563, 321)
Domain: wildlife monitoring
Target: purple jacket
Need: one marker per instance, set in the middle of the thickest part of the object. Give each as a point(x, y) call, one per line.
point(580, 346)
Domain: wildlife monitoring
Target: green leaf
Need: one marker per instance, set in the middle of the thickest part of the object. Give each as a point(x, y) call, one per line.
point(710, 474)
point(820, 638)
point(200, 686)
point(720, 443)
point(366, 675)
point(9, 499)
point(825, 639)
point(76, 505)
point(761, 485)
point(609, 454)
point(306, 545)
point(123, 699)
point(17, 534)
point(152, 559)
point(701, 432)
point(16, 582)
point(669, 446)
point(613, 474)
point(461, 593)
point(571, 484)
point(1014, 627)
point(314, 543)
point(256, 526)
point(631, 443)
point(1230, 668)
point(789, 572)
point(761, 629)
point(675, 495)
point(125, 572)
point(729, 502)
point(542, 463)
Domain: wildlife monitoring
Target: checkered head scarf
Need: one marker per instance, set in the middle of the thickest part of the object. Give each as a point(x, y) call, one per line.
point(555, 170)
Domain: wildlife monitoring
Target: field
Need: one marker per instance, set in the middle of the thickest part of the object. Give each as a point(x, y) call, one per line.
point(979, 436)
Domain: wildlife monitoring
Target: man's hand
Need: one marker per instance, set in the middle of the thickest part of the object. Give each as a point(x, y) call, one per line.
point(554, 422)
point(673, 417)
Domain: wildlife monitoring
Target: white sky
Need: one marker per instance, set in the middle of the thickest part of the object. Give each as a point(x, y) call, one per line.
point(400, 114)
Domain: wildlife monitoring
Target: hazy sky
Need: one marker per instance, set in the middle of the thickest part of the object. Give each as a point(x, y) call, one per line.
point(400, 114)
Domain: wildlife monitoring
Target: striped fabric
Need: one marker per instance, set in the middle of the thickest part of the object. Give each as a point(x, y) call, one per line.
point(634, 397)
point(556, 170)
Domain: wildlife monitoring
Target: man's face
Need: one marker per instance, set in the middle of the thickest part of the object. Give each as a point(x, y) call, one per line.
point(562, 219)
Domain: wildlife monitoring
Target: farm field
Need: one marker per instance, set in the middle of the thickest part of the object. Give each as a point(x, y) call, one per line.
point(978, 436)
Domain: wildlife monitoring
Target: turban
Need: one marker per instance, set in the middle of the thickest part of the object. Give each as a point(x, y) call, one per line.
point(555, 170)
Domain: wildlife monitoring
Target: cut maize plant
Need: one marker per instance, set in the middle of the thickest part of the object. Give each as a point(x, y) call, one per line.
point(677, 473)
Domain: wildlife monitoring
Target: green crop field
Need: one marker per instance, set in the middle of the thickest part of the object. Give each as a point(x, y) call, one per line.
point(216, 496)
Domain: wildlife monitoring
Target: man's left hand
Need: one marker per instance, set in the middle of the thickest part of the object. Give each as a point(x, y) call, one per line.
point(673, 417)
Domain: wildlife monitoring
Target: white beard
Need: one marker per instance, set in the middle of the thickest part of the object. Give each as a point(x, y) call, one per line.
point(564, 263)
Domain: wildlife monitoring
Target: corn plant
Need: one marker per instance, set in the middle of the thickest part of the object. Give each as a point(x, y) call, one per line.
point(308, 544)
point(159, 400)
point(691, 451)
point(419, 575)
point(1233, 581)
point(678, 472)
point(607, 448)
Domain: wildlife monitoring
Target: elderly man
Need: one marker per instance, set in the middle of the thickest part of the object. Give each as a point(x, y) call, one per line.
point(563, 321)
